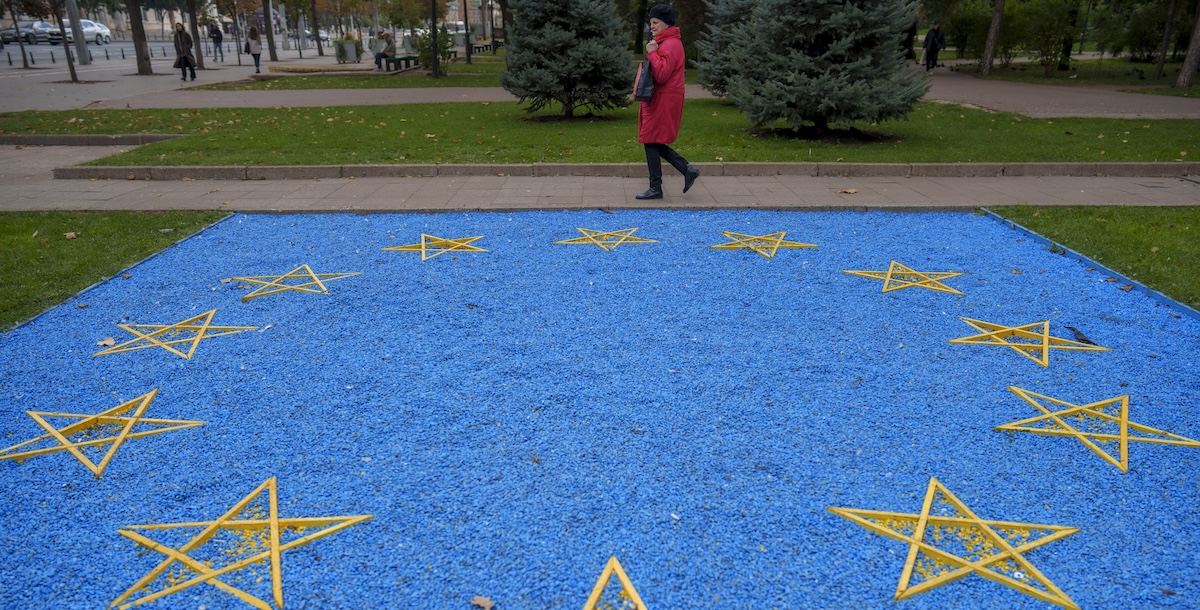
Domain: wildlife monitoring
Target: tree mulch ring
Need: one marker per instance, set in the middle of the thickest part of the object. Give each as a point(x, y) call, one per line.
point(580, 118)
point(832, 136)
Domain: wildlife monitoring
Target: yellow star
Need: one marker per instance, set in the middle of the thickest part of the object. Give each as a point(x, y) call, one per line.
point(199, 329)
point(95, 431)
point(431, 246)
point(607, 240)
point(272, 284)
point(262, 539)
point(765, 245)
point(1097, 425)
point(1032, 340)
point(627, 594)
point(898, 277)
point(991, 549)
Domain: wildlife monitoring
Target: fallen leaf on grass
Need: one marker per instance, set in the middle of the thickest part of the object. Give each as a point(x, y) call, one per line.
point(107, 342)
point(848, 191)
point(1154, 249)
point(480, 601)
point(70, 235)
point(34, 234)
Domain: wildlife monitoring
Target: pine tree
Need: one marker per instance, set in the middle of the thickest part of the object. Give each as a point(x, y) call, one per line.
point(713, 65)
point(823, 62)
point(568, 52)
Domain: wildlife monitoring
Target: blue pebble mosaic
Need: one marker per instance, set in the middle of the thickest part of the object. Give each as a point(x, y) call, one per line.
point(511, 419)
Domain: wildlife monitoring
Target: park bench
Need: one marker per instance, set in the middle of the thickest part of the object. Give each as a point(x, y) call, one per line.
point(391, 64)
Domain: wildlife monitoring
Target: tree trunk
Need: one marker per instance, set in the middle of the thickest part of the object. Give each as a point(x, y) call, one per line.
point(316, 27)
point(993, 39)
point(466, 4)
point(906, 43)
point(269, 28)
point(1064, 60)
point(140, 48)
point(66, 45)
point(639, 46)
point(1187, 74)
point(197, 49)
point(1162, 50)
point(17, 31)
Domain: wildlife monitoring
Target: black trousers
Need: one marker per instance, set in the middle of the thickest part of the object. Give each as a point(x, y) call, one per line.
point(655, 153)
point(931, 58)
point(187, 65)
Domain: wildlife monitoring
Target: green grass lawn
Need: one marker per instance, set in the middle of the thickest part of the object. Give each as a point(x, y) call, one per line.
point(482, 132)
point(1135, 77)
point(1158, 246)
point(41, 268)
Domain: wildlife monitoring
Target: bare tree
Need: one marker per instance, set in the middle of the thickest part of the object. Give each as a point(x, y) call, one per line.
point(140, 48)
point(316, 27)
point(993, 39)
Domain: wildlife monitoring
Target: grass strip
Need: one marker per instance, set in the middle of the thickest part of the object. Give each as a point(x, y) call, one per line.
point(1133, 77)
point(41, 267)
point(484, 132)
point(1158, 246)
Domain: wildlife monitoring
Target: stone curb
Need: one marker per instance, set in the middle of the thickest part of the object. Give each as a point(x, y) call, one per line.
point(136, 139)
point(631, 170)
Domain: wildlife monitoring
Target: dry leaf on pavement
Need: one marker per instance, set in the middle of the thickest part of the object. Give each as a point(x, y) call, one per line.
point(848, 191)
point(107, 342)
point(482, 602)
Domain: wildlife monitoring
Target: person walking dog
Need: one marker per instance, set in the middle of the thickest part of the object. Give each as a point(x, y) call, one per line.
point(659, 119)
point(184, 60)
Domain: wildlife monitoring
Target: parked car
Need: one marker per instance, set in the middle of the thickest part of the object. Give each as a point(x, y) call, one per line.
point(32, 32)
point(54, 35)
point(309, 35)
point(96, 32)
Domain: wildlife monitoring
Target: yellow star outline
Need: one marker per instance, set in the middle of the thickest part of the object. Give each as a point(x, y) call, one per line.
point(438, 246)
point(272, 284)
point(1095, 419)
point(991, 549)
point(1037, 336)
point(269, 526)
point(899, 276)
point(765, 245)
point(91, 425)
point(200, 325)
point(607, 240)
point(627, 591)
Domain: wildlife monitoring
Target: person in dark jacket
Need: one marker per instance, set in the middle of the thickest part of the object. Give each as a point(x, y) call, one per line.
point(659, 119)
point(214, 32)
point(935, 40)
point(184, 60)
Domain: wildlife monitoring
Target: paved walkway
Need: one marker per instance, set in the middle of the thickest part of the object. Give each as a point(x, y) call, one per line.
point(26, 181)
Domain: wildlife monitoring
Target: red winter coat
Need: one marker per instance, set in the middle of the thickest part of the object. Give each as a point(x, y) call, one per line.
point(658, 119)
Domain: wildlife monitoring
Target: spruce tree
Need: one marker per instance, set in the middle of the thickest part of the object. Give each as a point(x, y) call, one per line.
point(713, 65)
point(568, 52)
point(823, 62)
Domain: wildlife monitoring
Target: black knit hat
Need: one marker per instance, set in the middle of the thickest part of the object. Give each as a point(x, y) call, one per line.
point(663, 13)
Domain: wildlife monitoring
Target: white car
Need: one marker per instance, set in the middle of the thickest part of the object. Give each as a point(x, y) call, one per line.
point(92, 32)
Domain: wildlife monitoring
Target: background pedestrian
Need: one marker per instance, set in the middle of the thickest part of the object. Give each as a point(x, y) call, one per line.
point(184, 60)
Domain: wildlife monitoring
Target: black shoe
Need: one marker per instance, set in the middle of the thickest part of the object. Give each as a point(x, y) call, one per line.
point(690, 178)
point(652, 193)
point(183, 79)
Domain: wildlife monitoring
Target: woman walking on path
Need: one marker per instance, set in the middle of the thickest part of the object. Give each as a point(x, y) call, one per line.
point(184, 60)
point(254, 47)
point(658, 119)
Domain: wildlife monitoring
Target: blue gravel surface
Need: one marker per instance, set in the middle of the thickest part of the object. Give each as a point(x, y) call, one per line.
point(513, 418)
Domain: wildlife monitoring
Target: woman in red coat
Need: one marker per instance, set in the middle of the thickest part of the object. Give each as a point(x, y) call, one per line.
point(658, 119)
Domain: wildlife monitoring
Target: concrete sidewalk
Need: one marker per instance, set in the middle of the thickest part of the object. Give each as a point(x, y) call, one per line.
point(26, 183)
